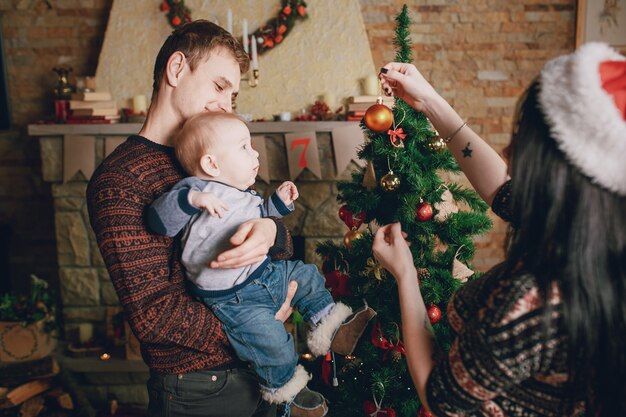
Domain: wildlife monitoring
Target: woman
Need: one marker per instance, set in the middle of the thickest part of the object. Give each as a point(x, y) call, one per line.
point(543, 333)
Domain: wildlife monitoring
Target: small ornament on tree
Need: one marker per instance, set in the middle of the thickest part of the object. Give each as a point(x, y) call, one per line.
point(434, 313)
point(353, 221)
point(369, 177)
point(422, 274)
point(459, 270)
point(446, 207)
point(436, 144)
point(350, 237)
point(338, 283)
point(390, 181)
point(424, 212)
point(375, 408)
point(378, 117)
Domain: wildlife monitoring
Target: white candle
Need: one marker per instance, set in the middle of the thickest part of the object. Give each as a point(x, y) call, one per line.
point(371, 86)
point(85, 332)
point(229, 20)
point(140, 104)
point(244, 34)
point(255, 59)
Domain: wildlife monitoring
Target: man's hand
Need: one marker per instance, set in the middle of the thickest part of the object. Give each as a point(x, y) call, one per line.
point(286, 309)
point(252, 241)
point(287, 192)
point(207, 201)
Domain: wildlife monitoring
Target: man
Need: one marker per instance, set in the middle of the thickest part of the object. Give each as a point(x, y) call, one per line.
point(193, 369)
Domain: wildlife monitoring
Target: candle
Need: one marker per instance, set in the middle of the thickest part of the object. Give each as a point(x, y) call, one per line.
point(229, 21)
point(140, 104)
point(329, 99)
point(255, 59)
point(244, 34)
point(85, 332)
point(371, 85)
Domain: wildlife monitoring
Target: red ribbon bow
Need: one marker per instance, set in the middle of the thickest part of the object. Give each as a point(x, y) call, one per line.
point(380, 341)
point(613, 78)
point(396, 136)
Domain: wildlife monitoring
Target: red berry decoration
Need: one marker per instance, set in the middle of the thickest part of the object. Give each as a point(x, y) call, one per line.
point(424, 212)
point(434, 313)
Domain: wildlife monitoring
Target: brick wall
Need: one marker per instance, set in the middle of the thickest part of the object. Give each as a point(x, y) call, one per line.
point(480, 54)
point(37, 36)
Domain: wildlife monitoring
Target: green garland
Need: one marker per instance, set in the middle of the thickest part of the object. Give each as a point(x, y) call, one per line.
point(268, 35)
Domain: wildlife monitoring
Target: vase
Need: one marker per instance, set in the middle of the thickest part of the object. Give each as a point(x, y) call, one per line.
point(25, 343)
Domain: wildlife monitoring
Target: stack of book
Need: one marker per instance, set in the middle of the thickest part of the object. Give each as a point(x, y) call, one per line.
point(93, 107)
point(358, 105)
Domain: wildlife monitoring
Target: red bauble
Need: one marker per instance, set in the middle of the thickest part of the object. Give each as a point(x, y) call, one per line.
point(339, 283)
point(371, 410)
point(378, 118)
point(434, 313)
point(424, 212)
point(353, 221)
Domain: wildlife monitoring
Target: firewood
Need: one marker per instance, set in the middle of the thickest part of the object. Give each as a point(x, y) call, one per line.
point(32, 407)
point(62, 398)
point(19, 372)
point(25, 391)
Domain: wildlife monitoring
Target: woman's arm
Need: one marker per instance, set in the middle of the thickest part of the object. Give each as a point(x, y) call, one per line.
point(482, 165)
point(393, 253)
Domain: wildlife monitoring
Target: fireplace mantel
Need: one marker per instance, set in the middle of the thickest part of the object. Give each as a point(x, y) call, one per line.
point(87, 293)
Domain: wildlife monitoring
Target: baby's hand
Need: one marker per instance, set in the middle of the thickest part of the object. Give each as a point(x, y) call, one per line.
point(288, 192)
point(207, 201)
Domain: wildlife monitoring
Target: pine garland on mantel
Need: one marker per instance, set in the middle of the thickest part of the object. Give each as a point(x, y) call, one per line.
point(268, 35)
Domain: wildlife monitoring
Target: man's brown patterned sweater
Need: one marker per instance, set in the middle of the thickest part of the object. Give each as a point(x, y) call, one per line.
point(177, 333)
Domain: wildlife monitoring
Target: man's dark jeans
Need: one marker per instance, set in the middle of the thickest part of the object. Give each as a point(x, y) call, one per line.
point(229, 393)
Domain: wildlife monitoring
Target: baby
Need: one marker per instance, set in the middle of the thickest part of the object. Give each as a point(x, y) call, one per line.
point(216, 149)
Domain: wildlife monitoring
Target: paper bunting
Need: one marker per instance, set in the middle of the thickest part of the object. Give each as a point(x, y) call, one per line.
point(302, 152)
point(346, 142)
point(460, 271)
point(369, 177)
point(446, 207)
point(79, 154)
point(258, 144)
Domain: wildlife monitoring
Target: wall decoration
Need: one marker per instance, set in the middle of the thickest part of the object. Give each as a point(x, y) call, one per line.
point(601, 21)
point(347, 141)
point(302, 152)
point(79, 154)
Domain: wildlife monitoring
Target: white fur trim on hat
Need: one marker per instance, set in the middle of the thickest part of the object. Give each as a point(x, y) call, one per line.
point(287, 392)
point(583, 117)
point(321, 337)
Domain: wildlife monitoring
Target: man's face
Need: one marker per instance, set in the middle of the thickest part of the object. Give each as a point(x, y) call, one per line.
point(238, 162)
point(212, 86)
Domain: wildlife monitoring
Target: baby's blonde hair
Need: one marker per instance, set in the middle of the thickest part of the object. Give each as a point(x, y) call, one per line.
point(197, 137)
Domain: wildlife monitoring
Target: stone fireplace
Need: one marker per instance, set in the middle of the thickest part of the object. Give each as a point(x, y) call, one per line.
point(86, 290)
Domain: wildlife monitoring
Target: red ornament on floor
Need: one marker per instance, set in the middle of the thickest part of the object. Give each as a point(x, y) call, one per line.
point(424, 212)
point(434, 313)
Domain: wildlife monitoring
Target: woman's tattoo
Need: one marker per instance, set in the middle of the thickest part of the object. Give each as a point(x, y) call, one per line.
point(467, 152)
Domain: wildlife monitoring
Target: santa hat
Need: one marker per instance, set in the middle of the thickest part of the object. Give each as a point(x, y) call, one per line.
point(583, 96)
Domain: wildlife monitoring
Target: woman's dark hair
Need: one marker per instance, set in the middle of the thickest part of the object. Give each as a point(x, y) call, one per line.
point(196, 40)
point(570, 232)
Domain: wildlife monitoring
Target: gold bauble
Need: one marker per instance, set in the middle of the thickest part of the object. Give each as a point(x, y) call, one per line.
point(350, 237)
point(390, 181)
point(436, 144)
point(378, 118)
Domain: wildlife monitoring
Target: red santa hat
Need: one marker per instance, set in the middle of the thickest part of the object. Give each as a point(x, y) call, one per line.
point(583, 97)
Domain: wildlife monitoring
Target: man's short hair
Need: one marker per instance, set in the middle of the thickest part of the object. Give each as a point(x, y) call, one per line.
point(196, 40)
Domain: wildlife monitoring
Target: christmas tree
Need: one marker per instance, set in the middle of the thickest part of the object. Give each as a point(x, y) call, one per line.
point(411, 163)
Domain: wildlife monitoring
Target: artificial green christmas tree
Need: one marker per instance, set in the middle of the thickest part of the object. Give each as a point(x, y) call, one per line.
point(404, 181)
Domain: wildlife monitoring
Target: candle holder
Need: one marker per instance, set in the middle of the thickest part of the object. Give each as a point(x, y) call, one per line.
point(254, 80)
